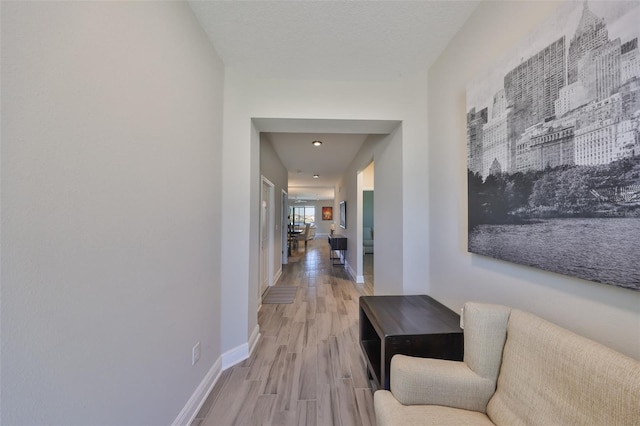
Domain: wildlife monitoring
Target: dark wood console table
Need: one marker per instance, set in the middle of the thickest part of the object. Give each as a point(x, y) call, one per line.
point(337, 243)
point(409, 325)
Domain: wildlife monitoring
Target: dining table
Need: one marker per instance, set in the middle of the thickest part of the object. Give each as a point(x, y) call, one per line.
point(293, 238)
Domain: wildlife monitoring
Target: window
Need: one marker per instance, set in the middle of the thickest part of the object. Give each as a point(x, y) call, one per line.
point(302, 215)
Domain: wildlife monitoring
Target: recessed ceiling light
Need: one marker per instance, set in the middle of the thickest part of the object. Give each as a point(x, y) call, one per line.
point(316, 143)
point(316, 176)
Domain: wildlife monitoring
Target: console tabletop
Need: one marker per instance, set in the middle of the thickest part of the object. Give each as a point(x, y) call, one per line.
point(410, 325)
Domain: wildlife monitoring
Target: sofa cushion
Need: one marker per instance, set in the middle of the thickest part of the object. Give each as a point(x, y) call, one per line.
point(367, 240)
point(389, 412)
point(427, 381)
point(367, 234)
point(551, 376)
point(484, 335)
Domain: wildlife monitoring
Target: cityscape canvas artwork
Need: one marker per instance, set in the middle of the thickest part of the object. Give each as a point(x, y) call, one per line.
point(553, 147)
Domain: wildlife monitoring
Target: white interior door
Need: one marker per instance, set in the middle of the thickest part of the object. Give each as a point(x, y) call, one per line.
point(285, 227)
point(265, 235)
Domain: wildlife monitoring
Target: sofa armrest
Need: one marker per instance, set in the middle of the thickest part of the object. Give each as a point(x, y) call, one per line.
point(427, 381)
point(389, 412)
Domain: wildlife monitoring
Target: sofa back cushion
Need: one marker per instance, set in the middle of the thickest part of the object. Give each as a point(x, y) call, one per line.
point(485, 331)
point(551, 376)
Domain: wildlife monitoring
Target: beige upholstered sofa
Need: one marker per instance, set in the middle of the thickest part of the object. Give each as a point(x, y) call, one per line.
point(518, 369)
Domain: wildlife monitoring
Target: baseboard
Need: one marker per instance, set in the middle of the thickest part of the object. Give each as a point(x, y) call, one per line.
point(242, 352)
point(351, 272)
point(200, 395)
point(235, 355)
point(254, 339)
point(360, 279)
point(226, 360)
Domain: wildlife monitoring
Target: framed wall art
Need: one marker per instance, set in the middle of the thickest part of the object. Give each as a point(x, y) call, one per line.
point(553, 147)
point(343, 214)
point(327, 213)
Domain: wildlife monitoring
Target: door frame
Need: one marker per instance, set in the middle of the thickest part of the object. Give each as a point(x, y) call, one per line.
point(269, 218)
point(285, 227)
point(359, 221)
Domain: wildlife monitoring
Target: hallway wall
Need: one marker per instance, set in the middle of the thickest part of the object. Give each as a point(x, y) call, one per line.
point(386, 151)
point(111, 218)
point(602, 312)
point(272, 168)
point(246, 98)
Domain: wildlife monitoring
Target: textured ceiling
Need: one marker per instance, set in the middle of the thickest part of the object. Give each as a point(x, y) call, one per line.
point(331, 40)
point(327, 40)
point(303, 160)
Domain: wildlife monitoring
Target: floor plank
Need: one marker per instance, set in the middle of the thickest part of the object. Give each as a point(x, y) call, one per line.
point(232, 396)
point(307, 414)
point(309, 374)
point(347, 406)
point(364, 400)
point(307, 368)
point(244, 417)
point(328, 406)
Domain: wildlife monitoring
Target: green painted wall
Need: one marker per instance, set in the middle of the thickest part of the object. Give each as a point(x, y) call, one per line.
point(367, 209)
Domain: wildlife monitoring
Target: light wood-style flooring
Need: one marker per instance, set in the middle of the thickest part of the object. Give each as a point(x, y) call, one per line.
point(307, 368)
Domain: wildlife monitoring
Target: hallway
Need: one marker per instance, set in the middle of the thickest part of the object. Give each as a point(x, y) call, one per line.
point(307, 368)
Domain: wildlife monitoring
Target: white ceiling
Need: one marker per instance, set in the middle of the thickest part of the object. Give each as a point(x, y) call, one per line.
point(331, 40)
point(341, 139)
point(303, 160)
point(327, 40)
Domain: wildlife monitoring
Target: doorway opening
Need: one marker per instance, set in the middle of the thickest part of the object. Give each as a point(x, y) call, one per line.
point(382, 141)
point(284, 227)
point(368, 227)
point(365, 228)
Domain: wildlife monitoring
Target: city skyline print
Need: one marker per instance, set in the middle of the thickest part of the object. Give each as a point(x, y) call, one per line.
point(553, 147)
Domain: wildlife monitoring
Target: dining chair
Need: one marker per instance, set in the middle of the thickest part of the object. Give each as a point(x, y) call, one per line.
point(304, 235)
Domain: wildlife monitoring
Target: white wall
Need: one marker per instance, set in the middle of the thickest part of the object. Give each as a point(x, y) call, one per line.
point(386, 152)
point(391, 268)
point(254, 231)
point(247, 98)
point(271, 167)
point(415, 188)
point(367, 178)
point(111, 218)
point(604, 313)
